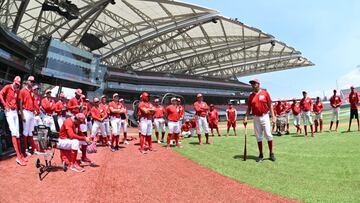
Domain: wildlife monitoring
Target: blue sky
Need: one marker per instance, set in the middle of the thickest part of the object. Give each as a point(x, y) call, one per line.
point(326, 32)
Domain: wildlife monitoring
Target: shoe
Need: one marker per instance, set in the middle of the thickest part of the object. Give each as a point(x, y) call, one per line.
point(260, 158)
point(143, 152)
point(76, 169)
point(86, 160)
point(159, 142)
point(27, 152)
point(20, 162)
point(287, 133)
point(24, 159)
point(126, 142)
point(117, 148)
point(113, 149)
point(162, 141)
point(272, 157)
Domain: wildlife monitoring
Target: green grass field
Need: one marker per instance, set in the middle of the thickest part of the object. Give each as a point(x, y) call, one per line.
point(321, 169)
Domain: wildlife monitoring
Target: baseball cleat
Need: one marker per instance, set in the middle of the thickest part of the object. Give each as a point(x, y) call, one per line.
point(20, 162)
point(86, 160)
point(113, 149)
point(260, 158)
point(74, 168)
point(24, 159)
point(126, 142)
point(28, 153)
point(272, 157)
point(159, 142)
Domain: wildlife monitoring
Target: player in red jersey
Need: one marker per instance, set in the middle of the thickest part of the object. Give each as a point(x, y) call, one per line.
point(105, 108)
point(60, 109)
point(231, 117)
point(335, 102)
point(287, 106)
point(295, 108)
point(259, 103)
point(48, 105)
point(8, 97)
point(213, 119)
point(115, 119)
point(147, 111)
point(185, 128)
point(201, 109)
point(354, 102)
point(159, 121)
point(27, 109)
point(306, 106)
point(173, 116)
point(98, 115)
point(37, 99)
point(318, 109)
point(124, 121)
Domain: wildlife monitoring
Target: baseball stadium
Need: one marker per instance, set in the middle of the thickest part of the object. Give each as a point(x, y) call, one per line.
point(168, 101)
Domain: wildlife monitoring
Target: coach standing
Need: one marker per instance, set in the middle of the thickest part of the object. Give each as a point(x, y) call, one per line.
point(259, 104)
point(354, 102)
point(306, 106)
point(335, 102)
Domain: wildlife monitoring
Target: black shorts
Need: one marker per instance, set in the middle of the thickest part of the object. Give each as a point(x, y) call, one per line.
point(354, 114)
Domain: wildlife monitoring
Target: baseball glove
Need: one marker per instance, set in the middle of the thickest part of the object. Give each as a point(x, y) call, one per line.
point(91, 148)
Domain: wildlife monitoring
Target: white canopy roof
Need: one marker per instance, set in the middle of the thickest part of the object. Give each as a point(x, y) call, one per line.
point(154, 35)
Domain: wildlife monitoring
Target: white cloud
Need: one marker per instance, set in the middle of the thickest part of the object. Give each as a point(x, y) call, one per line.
point(350, 78)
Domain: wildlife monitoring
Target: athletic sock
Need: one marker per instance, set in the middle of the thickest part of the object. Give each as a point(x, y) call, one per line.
point(157, 135)
point(162, 135)
point(270, 144)
point(125, 136)
point(260, 146)
point(33, 145)
point(25, 142)
point(15, 142)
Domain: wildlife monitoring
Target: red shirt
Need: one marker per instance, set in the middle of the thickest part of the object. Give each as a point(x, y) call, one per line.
point(124, 115)
point(287, 107)
point(193, 123)
point(97, 113)
point(335, 101)
point(9, 96)
point(71, 131)
point(318, 107)
point(181, 111)
point(73, 102)
point(105, 109)
point(86, 108)
point(185, 127)
point(59, 105)
point(26, 96)
point(159, 111)
point(48, 105)
point(173, 113)
point(280, 109)
point(259, 102)
point(213, 116)
point(37, 105)
point(231, 114)
point(354, 100)
point(305, 104)
point(201, 108)
point(115, 106)
point(141, 107)
point(295, 107)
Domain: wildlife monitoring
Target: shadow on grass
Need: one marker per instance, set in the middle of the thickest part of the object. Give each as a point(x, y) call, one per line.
point(247, 157)
point(194, 143)
point(297, 135)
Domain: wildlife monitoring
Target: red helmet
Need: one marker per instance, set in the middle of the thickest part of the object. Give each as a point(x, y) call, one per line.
point(144, 96)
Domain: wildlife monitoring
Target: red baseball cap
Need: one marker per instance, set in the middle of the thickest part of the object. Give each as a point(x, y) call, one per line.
point(187, 121)
point(35, 87)
point(156, 100)
point(121, 100)
point(178, 99)
point(47, 91)
point(211, 105)
point(17, 80)
point(103, 96)
point(115, 95)
point(62, 95)
point(352, 87)
point(31, 78)
point(199, 95)
point(78, 92)
point(96, 100)
point(254, 81)
point(173, 99)
point(80, 117)
point(83, 96)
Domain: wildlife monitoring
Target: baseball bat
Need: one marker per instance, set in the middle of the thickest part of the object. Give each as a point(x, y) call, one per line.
point(245, 150)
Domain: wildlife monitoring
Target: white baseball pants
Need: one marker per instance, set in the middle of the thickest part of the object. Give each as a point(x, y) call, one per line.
point(202, 125)
point(49, 122)
point(159, 125)
point(12, 119)
point(173, 127)
point(115, 124)
point(335, 114)
point(307, 117)
point(69, 144)
point(145, 126)
point(262, 126)
point(97, 125)
point(28, 125)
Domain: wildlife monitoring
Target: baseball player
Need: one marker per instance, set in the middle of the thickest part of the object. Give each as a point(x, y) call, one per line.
point(105, 107)
point(201, 109)
point(193, 126)
point(354, 102)
point(86, 110)
point(295, 108)
point(173, 116)
point(213, 120)
point(115, 110)
point(48, 105)
point(8, 98)
point(274, 124)
point(231, 116)
point(335, 102)
point(288, 112)
point(26, 102)
point(124, 121)
point(74, 104)
point(185, 128)
point(71, 139)
point(159, 121)
point(279, 111)
point(259, 103)
point(306, 106)
point(147, 111)
point(181, 111)
point(317, 109)
point(60, 109)
point(98, 115)
point(37, 113)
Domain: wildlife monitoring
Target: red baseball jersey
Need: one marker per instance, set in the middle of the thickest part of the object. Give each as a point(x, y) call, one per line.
point(280, 109)
point(115, 106)
point(354, 100)
point(73, 102)
point(318, 107)
point(37, 105)
point(173, 113)
point(201, 108)
point(159, 111)
point(213, 116)
point(48, 105)
point(335, 101)
point(97, 113)
point(124, 115)
point(295, 107)
point(26, 96)
point(287, 107)
point(259, 103)
point(105, 109)
point(71, 131)
point(231, 114)
point(59, 106)
point(193, 123)
point(181, 111)
point(9, 96)
point(185, 127)
point(305, 104)
point(143, 105)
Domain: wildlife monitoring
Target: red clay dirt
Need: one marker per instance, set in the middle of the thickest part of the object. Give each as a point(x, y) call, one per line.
point(127, 176)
